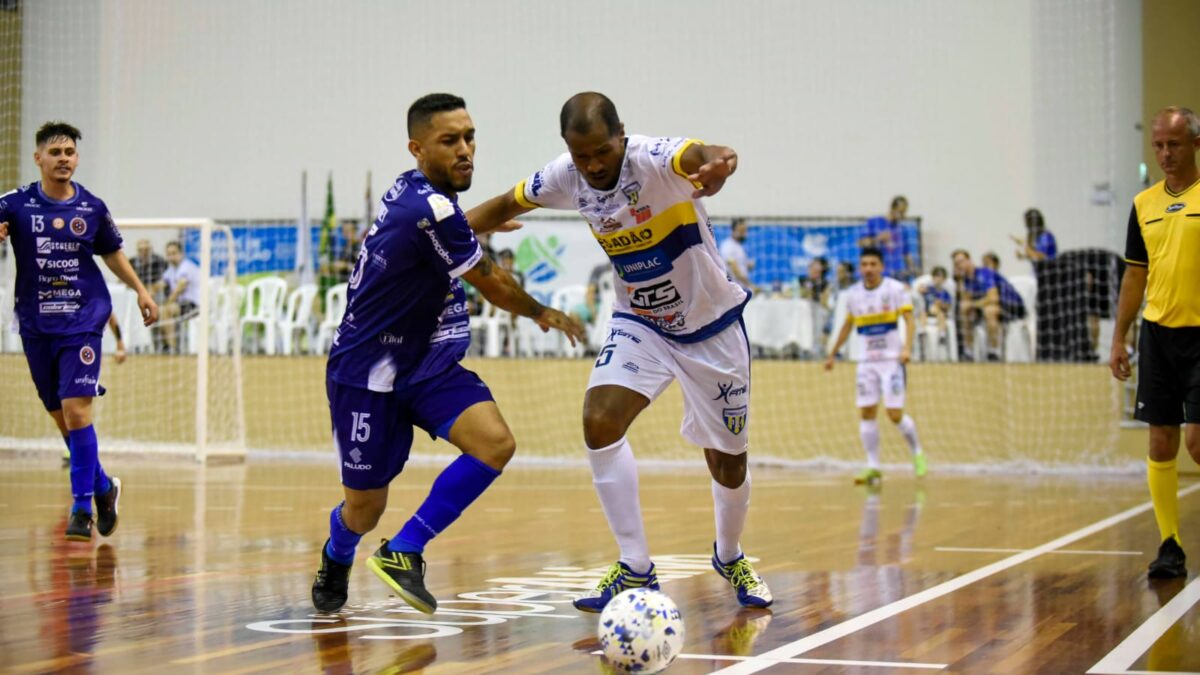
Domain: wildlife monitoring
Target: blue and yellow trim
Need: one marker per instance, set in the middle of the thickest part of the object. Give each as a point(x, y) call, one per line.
point(519, 195)
point(677, 158)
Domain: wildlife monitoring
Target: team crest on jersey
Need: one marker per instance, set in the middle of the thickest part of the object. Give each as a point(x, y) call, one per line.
point(640, 215)
point(1177, 206)
point(631, 192)
point(59, 223)
point(78, 226)
point(735, 418)
point(442, 207)
point(608, 225)
point(87, 355)
point(423, 223)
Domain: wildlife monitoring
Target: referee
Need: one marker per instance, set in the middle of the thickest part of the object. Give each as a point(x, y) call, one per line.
point(1163, 252)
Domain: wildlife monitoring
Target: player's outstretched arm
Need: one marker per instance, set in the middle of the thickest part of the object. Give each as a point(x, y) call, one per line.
point(503, 291)
point(3, 232)
point(119, 264)
point(496, 214)
point(910, 328)
point(708, 165)
point(1133, 289)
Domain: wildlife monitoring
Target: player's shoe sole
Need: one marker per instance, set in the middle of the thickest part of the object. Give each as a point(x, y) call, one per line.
point(869, 477)
point(79, 526)
point(404, 573)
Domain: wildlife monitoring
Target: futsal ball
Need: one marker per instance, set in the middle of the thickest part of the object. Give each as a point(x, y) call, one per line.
point(641, 631)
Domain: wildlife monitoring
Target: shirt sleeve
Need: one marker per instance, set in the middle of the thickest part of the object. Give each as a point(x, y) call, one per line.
point(1135, 244)
point(548, 187)
point(903, 298)
point(447, 238)
point(1047, 246)
point(108, 237)
point(672, 154)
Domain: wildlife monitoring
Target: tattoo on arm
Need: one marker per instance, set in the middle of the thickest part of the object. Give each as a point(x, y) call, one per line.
point(485, 265)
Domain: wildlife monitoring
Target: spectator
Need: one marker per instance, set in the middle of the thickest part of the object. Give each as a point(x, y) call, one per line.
point(937, 300)
point(1039, 243)
point(816, 285)
point(508, 261)
point(588, 311)
point(991, 261)
point(987, 295)
point(733, 252)
point(885, 233)
point(845, 275)
point(182, 279)
point(149, 267)
point(474, 300)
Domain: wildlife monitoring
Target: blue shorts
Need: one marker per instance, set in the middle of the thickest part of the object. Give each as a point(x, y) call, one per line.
point(373, 431)
point(64, 366)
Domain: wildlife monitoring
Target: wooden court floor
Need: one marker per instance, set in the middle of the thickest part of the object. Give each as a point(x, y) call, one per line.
point(210, 571)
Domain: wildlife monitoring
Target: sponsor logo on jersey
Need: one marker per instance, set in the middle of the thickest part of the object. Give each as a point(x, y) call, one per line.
point(58, 307)
point(423, 223)
point(671, 323)
point(614, 333)
point(724, 391)
point(735, 418)
point(78, 226)
point(87, 355)
point(59, 223)
point(441, 250)
point(86, 379)
point(395, 191)
point(60, 280)
point(356, 457)
point(60, 293)
point(1177, 206)
point(641, 215)
point(67, 264)
point(84, 208)
point(630, 366)
point(608, 225)
point(33, 203)
point(46, 245)
point(536, 185)
point(619, 242)
point(390, 340)
point(654, 298)
point(642, 266)
point(378, 260)
point(660, 144)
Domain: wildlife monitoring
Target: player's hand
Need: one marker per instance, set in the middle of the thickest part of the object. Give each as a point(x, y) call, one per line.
point(120, 355)
point(829, 362)
point(569, 325)
point(149, 309)
point(1118, 362)
point(509, 226)
point(3, 232)
point(711, 175)
point(905, 356)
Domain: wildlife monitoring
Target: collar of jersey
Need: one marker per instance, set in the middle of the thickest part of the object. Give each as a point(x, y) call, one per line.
point(43, 195)
point(1181, 192)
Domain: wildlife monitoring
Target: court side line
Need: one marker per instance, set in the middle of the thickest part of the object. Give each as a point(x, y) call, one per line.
point(838, 631)
point(1139, 641)
point(964, 549)
point(818, 662)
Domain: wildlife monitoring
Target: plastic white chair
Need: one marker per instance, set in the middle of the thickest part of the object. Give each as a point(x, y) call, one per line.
point(565, 300)
point(223, 317)
point(497, 323)
point(9, 341)
point(926, 335)
point(335, 309)
point(264, 307)
point(298, 316)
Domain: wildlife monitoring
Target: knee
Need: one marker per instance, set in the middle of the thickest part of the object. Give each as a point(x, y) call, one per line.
point(992, 314)
point(1193, 446)
point(77, 413)
point(895, 415)
point(362, 515)
point(500, 449)
point(728, 470)
point(601, 428)
point(868, 414)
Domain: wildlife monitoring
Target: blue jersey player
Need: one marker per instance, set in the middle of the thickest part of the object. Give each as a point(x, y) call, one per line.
point(394, 364)
point(62, 305)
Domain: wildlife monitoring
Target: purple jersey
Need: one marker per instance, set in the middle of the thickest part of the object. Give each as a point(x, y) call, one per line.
point(406, 312)
point(59, 288)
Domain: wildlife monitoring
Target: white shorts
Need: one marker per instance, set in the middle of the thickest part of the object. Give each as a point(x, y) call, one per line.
point(714, 376)
point(875, 377)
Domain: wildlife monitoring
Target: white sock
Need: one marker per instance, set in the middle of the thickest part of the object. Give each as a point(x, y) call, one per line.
point(869, 431)
point(730, 507)
point(614, 474)
point(909, 428)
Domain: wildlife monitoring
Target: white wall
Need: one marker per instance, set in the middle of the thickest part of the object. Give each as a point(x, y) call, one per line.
point(975, 110)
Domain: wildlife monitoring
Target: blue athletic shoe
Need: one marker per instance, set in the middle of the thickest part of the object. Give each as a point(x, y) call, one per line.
point(619, 578)
point(751, 590)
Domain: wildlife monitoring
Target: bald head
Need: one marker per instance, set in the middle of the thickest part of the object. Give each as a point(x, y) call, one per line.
point(586, 112)
point(1178, 116)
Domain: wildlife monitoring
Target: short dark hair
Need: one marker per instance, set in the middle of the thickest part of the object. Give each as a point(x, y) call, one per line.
point(824, 264)
point(584, 110)
point(870, 251)
point(53, 130)
point(424, 108)
point(938, 270)
point(505, 253)
point(173, 243)
point(1034, 219)
point(897, 199)
point(955, 252)
point(735, 222)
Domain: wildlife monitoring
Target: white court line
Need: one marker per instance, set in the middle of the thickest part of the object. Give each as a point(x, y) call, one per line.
point(964, 549)
point(278, 508)
point(838, 631)
point(1139, 641)
point(819, 662)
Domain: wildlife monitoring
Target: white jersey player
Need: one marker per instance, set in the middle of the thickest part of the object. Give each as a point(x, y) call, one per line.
point(677, 316)
point(874, 308)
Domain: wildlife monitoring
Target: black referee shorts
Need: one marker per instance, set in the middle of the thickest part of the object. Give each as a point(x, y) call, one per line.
point(1168, 391)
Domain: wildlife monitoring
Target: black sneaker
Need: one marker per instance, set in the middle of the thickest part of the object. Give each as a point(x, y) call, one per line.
point(330, 588)
point(79, 526)
point(106, 508)
point(1170, 561)
point(405, 574)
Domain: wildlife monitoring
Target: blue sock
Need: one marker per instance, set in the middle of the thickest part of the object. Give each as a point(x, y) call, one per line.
point(455, 488)
point(342, 540)
point(102, 484)
point(84, 452)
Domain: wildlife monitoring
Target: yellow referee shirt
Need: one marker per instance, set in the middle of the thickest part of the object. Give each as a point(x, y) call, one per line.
point(1164, 235)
